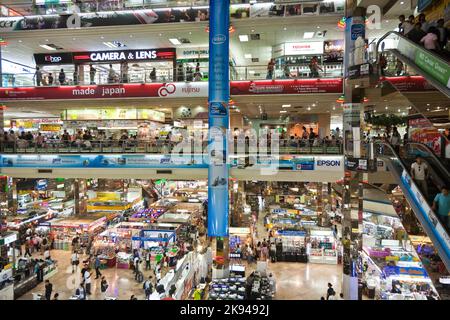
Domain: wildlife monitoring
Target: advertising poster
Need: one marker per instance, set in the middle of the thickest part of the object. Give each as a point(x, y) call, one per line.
point(218, 99)
point(355, 43)
point(422, 130)
point(333, 51)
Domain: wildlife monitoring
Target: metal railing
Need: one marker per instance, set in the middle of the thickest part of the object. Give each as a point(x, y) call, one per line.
point(186, 74)
point(56, 146)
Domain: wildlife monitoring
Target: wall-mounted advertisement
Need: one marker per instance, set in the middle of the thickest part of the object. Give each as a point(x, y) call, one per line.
point(302, 48)
point(114, 114)
point(422, 130)
point(333, 51)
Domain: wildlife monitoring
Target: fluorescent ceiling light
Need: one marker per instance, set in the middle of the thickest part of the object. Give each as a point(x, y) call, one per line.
point(248, 56)
point(175, 41)
point(252, 72)
point(109, 44)
point(47, 47)
point(243, 38)
point(308, 35)
point(286, 106)
point(283, 111)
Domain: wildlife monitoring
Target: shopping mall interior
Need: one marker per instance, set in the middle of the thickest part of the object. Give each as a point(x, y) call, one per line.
point(224, 150)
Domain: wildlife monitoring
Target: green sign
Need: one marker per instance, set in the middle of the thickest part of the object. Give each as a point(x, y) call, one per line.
point(158, 182)
point(436, 68)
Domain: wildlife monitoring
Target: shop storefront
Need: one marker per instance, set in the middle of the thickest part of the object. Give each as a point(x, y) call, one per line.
point(127, 66)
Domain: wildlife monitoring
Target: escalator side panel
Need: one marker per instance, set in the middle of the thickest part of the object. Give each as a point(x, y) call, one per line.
point(426, 216)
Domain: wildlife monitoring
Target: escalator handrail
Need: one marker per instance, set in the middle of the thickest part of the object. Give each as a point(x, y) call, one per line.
point(432, 228)
point(435, 157)
point(389, 33)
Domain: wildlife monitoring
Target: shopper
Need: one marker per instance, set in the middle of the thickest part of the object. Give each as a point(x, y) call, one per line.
point(416, 34)
point(48, 290)
point(264, 252)
point(153, 75)
point(148, 287)
point(404, 26)
point(38, 76)
point(258, 251)
point(441, 206)
point(423, 21)
point(62, 77)
point(81, 293)
point(443, 33)
point(97, 265)
point(330, 291)
point(395, 140)
point(50, 79)
point(92, 72)
point(133, 297)
point(111, 74)
point(87, 280)
point(431, 40)
point(56, 296)
point(75, 75)
point(172, 291)
point(314, 67)
point(148, 258)
point(104, 286)
point(75, 261)
point(419, 173)
point(270, 69)
point(399, 68)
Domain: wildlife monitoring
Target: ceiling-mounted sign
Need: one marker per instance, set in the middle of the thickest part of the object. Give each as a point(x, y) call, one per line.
point(55, 58)
point(193, 53)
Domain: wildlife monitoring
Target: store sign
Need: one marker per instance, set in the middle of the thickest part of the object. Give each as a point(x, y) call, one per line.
point(410, 83)
point(50, 127)
point(193, 53)
point(171, 90)
point(303, 163)
point(300, 48)
point(56, 58)
point(392, 271)
point(329, 163)
point(8, 239)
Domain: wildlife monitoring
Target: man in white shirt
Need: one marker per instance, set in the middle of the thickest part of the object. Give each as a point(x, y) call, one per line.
point(419, 172)
point(87, 281)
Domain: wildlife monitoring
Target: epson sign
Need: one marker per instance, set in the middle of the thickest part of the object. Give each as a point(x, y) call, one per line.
point(328, 163)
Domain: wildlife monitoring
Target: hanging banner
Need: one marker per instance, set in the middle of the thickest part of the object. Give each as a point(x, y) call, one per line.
point(219, 96)
point(355, 43)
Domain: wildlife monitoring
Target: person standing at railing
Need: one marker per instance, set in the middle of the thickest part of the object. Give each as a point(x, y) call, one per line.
point(312, 136)
point(153, 75)
point(111, 74)
point(50, 79)
point(314, 67)
point(270, 69)
point(40, 140)
point(180, 73)
point(189, 74)
point(75, 75)
point(62, 77)
point(65, 138)
point(38, 76)
point(92, 72)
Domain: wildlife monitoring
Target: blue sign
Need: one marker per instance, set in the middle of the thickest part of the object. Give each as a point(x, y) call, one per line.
point(303, 163)
point(218, 98)
point(358, 30)
point(102, 161)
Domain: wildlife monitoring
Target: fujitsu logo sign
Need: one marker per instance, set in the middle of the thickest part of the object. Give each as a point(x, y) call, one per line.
point(167, 89)
point(53, 59)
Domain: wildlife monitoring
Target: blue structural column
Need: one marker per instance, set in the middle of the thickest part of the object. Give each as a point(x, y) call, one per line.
point(218, 99)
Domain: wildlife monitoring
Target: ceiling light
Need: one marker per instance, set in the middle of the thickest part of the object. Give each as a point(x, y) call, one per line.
point(283, 111)
point(428, 104)
point(399, 110)
point(284, 28)
point(102, 37)
point(334, 108)
point(131, 36)
point(46, 40)
point(308, 35)
point(252, 72)
point(402, 2)
point(160, 34)
point(253, 30)
point(243, 38)
point(386, 107)
point(175, 41)
point(47, 47)
point(20, 41)
point(286, 106)
point(318, 27)
point(248, 56)
point(109, 45)
point(309, 108)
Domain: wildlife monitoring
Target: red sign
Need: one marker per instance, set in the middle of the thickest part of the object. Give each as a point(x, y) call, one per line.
point(411, 83)
point(296, 86)
point(180, 89)
point(422, 130)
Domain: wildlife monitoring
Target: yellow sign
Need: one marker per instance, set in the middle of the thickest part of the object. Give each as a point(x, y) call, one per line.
point(104, 196)
point(50, 127)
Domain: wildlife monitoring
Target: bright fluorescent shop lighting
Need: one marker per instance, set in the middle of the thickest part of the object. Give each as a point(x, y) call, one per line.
point(243, 38)
point(47, 47)
point(286, 106)
point(308, 35)
point(248, 56)
point(175, 42)
point(283, 111)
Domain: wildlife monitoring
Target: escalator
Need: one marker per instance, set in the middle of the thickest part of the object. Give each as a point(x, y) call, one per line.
point(435, 69)
point(398, 166)
point(440, 165)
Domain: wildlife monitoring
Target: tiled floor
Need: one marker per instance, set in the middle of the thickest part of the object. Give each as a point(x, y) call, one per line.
point(295, 281)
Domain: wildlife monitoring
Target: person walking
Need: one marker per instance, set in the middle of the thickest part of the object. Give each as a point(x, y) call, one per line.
point(87, 280)
point(38, 76)
point(395, 140)
point(97, 265)
point(104, 286)
point(148, 287)
point(330, 291)
point(419, 173)
point(441, 206)
point(48, 290)
point(148, 257)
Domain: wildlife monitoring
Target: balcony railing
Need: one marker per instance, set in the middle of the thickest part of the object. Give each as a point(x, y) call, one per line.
point(259, 72)
point(158, 147)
